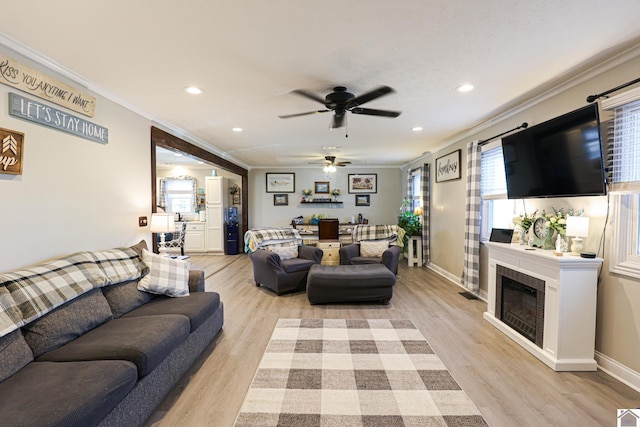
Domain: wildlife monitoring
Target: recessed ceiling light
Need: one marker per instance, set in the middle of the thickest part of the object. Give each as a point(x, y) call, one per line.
point(330, 147)
point(465, 88)
point(416, 129)
point(177, 154)
point(237, 129)
point(193, 90)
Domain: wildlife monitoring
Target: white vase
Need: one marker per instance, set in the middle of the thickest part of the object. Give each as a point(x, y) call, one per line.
point(562, 244)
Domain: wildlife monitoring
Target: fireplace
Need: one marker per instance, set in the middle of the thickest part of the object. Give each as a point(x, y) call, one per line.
point(520, 303)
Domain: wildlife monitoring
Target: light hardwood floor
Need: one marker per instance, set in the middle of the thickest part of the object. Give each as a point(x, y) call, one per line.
point(507, 384)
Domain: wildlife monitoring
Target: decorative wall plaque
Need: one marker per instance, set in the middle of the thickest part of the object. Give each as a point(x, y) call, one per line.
point(11, 148)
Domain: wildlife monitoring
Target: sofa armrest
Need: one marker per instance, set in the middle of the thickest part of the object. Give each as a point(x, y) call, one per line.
point(196, 281)
point(311, 253)
point(263, 257)
point(347, 252)
point(391, 257)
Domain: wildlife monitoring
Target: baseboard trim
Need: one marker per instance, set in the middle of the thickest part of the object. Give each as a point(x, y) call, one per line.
point(455, 280)
point(618, 371)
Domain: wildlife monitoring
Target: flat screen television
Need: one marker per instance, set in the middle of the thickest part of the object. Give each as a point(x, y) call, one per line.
point(562, 157)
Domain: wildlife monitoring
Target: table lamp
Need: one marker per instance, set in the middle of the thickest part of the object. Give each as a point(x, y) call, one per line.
point(577, 228)
point(162, 223)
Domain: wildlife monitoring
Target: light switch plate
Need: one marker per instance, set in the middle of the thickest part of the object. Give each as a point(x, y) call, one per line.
point(142, 221)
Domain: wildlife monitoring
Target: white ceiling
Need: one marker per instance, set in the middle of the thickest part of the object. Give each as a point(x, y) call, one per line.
point(249, 55)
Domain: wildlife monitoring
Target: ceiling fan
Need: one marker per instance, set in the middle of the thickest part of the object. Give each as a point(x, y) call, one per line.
point(340, 101)
point(330, 163)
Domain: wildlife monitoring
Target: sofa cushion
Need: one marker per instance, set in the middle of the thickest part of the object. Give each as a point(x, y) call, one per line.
point(197, 307)
point(145, 341)
point(297, 264)
point(373, 248)
point(356, 260)
point(65, 394)
point(124, 297)
point(31, 292)
point(67, 322)
point(166, 276)
point(15, 354)
point(285, 252)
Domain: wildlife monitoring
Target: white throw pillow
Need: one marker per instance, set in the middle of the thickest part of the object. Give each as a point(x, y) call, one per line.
point(166, 276)
point(373, 248)
point(285, 252)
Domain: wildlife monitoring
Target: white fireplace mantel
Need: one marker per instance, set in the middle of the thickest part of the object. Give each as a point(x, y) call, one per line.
point(569, 305)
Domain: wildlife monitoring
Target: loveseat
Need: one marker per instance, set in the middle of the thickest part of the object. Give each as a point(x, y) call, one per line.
point(82, 345)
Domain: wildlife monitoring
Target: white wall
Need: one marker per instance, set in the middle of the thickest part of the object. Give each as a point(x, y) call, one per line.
point(74, 194)
point(384, 208)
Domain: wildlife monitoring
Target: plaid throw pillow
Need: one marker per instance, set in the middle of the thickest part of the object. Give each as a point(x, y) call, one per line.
point(285, 252)
point(373, 248)
point(166, 276)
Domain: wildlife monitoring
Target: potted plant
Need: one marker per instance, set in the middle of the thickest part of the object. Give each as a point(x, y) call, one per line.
point(306, 194)
point(409, 222)
point(316, 217)
point(335, 192)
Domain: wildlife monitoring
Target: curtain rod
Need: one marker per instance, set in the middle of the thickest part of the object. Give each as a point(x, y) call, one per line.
point(592, 98)
point(522, 126)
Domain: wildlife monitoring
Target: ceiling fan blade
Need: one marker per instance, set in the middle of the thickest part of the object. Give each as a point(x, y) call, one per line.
point(342, 163)
point(370, 96)
point(338, 121)
point(309, 95)
point(286, 116)
point(372, 112)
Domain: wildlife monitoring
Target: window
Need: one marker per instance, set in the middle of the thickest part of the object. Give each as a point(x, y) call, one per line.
point(497, 210)
point(416, 191)
point(180, 195)
point(623, 156)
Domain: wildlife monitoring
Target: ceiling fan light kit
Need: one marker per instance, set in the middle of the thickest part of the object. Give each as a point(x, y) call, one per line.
point(341, 101)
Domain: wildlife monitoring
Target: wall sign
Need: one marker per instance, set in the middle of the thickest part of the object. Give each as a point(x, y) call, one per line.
point(34, 111)
point(11, 148)
point(15, 74)
point(448, 167)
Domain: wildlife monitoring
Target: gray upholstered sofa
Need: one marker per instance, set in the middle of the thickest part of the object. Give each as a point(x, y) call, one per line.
point(105, 353)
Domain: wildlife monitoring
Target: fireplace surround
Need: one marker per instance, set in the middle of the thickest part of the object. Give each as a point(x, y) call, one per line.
point(569, 285)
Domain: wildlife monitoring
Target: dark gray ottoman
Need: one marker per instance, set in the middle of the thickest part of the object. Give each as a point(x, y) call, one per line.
point(350, 283)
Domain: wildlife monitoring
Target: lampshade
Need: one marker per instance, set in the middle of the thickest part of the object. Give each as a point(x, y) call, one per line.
point(577, 226)
point(162, 223)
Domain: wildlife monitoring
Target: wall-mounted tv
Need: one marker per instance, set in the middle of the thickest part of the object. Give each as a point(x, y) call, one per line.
point(561, 157)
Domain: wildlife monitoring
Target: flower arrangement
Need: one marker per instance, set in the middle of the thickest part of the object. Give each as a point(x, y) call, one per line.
point(525, 221)
point(307, 192)
point(558, 221)
point(319, 216)
point(335, 191)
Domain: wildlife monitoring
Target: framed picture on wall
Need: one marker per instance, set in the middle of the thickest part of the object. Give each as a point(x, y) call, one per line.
point(236, 199)
point(322, 187)
point(363, 200)
point(448, 167)
point(281, 183)
point(280, 200)
point(363, 183)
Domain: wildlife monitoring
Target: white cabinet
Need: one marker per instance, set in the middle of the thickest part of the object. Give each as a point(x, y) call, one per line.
point(216, 190)
point(194, 239)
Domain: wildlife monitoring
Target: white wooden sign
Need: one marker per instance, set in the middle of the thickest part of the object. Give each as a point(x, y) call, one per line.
point(15, 74)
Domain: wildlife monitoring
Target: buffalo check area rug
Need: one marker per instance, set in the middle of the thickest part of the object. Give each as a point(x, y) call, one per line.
point(337, 372)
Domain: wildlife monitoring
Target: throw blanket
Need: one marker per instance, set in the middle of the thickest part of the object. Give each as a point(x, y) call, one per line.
point(257, 238)
point(30, 293)
point(376, 232)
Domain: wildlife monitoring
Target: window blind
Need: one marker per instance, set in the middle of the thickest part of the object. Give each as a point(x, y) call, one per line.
point(623, 142)
point(493, 184)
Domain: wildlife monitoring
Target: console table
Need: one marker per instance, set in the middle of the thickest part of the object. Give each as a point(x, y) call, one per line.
point(570, 297)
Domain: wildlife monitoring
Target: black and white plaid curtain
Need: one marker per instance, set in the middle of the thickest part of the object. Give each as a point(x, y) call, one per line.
point(426, 248)
point(471, 268)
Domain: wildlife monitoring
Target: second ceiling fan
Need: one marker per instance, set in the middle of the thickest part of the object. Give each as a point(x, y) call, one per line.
point(340, 101)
